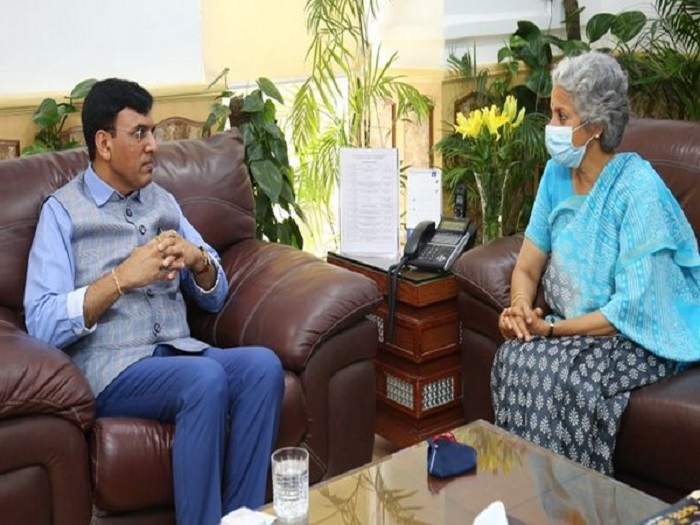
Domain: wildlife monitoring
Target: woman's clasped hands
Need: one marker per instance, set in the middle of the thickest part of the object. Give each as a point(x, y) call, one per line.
point(520, 321)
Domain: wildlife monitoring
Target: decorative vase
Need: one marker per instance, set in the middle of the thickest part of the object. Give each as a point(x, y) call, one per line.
point(491, 188)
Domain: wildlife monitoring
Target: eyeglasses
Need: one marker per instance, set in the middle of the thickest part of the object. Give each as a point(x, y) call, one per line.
point(140, 134)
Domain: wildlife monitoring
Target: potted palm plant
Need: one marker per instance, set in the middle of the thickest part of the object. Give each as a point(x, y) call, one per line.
point(337, 105)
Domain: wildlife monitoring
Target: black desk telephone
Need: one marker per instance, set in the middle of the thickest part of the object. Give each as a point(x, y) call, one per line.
point(429, 248)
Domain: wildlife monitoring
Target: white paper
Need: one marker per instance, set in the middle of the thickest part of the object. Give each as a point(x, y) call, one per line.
point(369, 202)
point(423, 196)
point(245, 516)
point(494, 514)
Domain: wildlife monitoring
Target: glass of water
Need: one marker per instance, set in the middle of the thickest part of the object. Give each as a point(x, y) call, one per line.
point(290, 484)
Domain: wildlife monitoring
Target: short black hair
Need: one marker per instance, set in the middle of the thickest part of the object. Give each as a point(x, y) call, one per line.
point(105, 100)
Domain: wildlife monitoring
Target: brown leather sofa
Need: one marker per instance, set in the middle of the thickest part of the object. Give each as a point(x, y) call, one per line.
point(661, 427)
point(59, 465)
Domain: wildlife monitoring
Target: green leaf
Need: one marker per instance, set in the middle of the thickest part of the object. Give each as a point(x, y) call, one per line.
point(540, 81)
point(253, 103)
point(574, 47)
point(537, 53)
point(46, 115)
point(268, 177)
point(527, 29)
point(65, 110)
point(255, 153)
point(598, 25)
point(270, 111)
point(36, 148)
point(555, 40)
point(272, 129)
point(82, 88)
point(220, 111)
point(512, 68)
point(504, 53)
point(267, 87)
point(248, 134)
point(516, 42)
point(279, 150)
point(263, 212)
point(210, 123)
point(287, 192)
point(628, 25)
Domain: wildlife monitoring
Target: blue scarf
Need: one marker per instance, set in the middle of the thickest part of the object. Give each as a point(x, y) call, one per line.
point(628, 250)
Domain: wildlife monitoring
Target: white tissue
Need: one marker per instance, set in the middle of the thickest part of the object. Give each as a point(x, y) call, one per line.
point(245, 516)
point(494, 514)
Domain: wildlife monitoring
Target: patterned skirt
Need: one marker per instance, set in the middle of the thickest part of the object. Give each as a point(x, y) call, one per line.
point(568, 393)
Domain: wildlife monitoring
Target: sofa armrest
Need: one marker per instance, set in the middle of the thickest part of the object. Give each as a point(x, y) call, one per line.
point(485, 271)
point(285, 299)
point(37, 379)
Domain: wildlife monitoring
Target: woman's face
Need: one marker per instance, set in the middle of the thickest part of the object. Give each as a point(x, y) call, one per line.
point(564, 114)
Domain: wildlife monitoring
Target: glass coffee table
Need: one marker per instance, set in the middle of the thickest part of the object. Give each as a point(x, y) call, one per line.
point(535, 485)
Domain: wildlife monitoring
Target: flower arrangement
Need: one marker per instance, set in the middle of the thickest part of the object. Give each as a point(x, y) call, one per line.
point(488, 146)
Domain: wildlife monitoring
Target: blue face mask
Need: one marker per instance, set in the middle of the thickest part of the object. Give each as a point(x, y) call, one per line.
point(559, 143)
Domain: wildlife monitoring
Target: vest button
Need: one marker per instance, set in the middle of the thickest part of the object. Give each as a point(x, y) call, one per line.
point(149, 292)
point(142, 230)
point(129, 213)
point(156, 328)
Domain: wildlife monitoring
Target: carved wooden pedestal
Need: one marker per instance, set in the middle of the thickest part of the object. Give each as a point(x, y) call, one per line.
point(419, 379)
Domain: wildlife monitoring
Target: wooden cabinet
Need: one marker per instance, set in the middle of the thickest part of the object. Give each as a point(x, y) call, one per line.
point(419, 379)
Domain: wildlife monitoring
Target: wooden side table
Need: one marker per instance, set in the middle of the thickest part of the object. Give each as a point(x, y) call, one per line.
point(419, 379)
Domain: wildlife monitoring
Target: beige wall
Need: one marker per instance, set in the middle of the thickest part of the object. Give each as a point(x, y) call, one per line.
point(261, 38)
point(253, 39)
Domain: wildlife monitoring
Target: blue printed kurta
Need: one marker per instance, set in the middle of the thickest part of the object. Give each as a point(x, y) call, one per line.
point(625, 249)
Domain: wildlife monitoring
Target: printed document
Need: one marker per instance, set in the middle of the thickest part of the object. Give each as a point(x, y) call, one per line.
point(369, 202)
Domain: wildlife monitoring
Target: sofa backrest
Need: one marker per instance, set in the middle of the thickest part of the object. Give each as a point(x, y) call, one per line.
point(208, 178)
point(673, 148)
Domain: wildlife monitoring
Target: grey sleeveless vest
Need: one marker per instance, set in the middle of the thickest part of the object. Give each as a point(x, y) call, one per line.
point(142, 318)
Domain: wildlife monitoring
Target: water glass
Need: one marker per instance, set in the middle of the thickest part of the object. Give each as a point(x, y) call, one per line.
point(290, 484)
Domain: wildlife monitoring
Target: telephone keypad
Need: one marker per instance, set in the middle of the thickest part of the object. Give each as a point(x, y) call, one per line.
point(436, 252)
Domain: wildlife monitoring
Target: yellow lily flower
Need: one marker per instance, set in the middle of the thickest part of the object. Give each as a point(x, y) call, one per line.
point(462, 124)
point(495, 120)
point(519, 120)
point(510, 107)
point(469, 127)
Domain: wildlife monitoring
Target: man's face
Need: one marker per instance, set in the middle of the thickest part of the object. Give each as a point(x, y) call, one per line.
point(130, 149)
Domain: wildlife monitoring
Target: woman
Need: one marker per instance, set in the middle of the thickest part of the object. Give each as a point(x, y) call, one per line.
point(623, 279)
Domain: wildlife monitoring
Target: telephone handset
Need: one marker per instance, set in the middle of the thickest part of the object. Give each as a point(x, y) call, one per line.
point(431, 248)
point(418, 239)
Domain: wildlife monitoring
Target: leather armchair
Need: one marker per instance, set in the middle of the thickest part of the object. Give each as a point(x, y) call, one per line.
point(61, 465)
point(662, 422)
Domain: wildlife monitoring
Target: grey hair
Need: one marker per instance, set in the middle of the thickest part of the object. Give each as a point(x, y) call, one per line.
point(597, 86)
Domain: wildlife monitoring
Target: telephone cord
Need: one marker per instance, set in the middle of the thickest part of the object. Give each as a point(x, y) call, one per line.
point(393, 281)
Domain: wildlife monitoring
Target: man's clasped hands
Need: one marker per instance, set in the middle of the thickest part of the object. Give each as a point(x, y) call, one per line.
point(160, 259)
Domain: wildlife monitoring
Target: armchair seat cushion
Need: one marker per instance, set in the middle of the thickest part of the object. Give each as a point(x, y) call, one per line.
point(131, 464)
point(653, 441)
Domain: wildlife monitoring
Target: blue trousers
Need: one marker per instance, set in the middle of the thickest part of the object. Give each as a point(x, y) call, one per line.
point(214, 470)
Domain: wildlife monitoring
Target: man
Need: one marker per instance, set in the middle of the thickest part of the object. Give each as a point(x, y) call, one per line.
point(111, 257)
